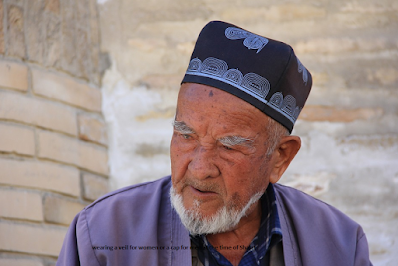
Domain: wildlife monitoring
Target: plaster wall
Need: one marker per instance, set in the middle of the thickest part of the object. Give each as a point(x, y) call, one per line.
point(349, 127)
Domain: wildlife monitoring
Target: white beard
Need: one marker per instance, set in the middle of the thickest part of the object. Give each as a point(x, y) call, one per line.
point(223, 220)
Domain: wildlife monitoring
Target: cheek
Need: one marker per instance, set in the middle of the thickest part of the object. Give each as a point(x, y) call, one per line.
point(179, 150)
point(179, 161)
point(173, 147)
point(261, 175)
point(235, 202)
point(246, 168)
point(247, 177)
point(264, 167)
point(174, 158)
point(174, 154)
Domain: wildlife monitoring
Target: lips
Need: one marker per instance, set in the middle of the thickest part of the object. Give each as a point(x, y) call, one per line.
point(200, 192)
point(203, 191)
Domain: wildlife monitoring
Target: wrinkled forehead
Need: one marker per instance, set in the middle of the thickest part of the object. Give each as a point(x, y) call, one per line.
point(208, 96)
point(204, 93)
point(199, 102)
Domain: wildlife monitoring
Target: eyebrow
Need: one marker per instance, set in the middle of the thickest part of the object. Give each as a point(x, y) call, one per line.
point(230, 141)
point(182, 128)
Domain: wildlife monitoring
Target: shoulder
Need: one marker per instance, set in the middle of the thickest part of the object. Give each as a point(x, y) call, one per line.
point(142, 191)
point(126, 212)
point(317, 228)
point(129, 206)
point(129, 216)
point(300, 204)
point(294, 197)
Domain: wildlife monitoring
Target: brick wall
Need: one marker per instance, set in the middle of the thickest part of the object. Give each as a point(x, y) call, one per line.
point(53, 142)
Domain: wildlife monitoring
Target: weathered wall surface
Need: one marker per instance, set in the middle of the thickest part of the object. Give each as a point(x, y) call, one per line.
point(53, 144)
point(349, 129)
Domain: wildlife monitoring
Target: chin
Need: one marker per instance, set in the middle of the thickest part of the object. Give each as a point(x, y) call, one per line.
point(223, 220)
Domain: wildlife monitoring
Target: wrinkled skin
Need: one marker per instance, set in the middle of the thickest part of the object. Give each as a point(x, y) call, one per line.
point(205, 170)
point(208, 174)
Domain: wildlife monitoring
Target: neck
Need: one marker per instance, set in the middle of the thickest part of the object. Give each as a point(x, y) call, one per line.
point(233, 244)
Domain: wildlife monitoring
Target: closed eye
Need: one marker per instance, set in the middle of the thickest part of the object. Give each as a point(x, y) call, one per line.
point(228, 148)
point(186, 136)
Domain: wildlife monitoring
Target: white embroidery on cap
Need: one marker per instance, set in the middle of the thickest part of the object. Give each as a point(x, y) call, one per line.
point(251, 83)
point(234, 76)
point(256, 84)
point(296, 113)
point(214, 66)
point(277, 100)
point(289, 103)
point(285, 105)
point(302, 69)
point(251, 40)
point(195, 64)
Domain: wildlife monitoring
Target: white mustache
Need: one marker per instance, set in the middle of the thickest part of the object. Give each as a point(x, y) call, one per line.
point(202, 186)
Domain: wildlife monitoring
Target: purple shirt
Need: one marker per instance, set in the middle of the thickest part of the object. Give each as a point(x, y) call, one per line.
point(137, 225)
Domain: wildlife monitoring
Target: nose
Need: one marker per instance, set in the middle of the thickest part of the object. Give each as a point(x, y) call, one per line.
point(202, 164)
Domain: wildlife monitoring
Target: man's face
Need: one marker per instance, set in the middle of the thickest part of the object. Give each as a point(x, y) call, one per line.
point(218, 150)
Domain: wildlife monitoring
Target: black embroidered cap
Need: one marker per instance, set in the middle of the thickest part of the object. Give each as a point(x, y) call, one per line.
point(261, 71)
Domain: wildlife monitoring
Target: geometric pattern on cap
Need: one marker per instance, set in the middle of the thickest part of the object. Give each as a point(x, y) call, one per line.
point(251, 40)
point(303, 70)
point(250, 83)
point(285, 105)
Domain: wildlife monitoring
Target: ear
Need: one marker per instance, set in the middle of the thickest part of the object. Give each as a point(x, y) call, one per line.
point(283, 155)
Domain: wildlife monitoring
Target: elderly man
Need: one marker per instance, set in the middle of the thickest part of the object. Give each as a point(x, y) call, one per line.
point(236, 107)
